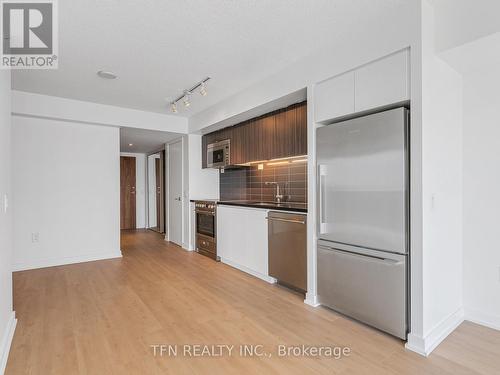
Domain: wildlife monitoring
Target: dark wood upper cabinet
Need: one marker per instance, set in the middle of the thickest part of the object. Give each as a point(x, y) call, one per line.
point(300, 133)
point(238, 144)
point(278, 134)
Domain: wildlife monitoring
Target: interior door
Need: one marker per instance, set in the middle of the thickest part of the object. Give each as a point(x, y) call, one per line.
point(127, 192)
point(363, 197)
point(160, 203)
point(175, 192)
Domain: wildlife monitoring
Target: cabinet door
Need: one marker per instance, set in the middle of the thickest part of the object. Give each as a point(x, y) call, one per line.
point(266, 138)
point(256, 254)
point(242, 239)
point(334, 98)
point(259, 138)
point(230, 234)
point(383, 82)
point(280, 147)
point(251, 132)
point(238, 144)
point(300, 134)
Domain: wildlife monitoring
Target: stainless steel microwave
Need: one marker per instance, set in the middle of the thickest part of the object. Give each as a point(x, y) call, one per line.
point(219, 154)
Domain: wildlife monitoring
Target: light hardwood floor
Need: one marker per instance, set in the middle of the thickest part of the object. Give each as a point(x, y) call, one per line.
point(102, 318)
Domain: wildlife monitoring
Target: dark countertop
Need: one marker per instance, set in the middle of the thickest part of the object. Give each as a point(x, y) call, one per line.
point(284, 206)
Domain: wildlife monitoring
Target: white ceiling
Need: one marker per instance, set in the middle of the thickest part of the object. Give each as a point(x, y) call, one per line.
point(144, 141)
point(160, 47)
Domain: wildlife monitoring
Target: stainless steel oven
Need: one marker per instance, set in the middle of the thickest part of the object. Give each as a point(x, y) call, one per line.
point(206, 228)
point(219, 154)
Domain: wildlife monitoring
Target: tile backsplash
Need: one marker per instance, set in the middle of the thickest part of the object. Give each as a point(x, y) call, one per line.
point(250, 183)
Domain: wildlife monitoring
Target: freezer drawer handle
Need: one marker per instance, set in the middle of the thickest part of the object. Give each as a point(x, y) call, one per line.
point(391, 262)
point(286, 220)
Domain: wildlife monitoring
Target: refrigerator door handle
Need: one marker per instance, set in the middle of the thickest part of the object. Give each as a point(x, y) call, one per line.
point(322, 171)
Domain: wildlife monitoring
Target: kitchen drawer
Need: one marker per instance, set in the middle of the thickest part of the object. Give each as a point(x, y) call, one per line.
point(370, 288)
point(202, 243)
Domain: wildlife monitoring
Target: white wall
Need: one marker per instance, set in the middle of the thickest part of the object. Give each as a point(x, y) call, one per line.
point(140, 188)
point(7, 318)
point(462, 21)
point(481, 200)
point(441, 194)
point(66, 180)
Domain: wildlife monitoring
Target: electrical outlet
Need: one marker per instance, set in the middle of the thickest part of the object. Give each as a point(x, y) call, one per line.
point(35, 237)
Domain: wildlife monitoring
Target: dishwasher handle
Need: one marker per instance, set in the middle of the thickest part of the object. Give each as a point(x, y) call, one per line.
point(286, 220)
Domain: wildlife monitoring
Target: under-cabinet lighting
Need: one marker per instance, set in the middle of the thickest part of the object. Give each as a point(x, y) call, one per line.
point(290, 158)
point(299, 161)
point(279, 162)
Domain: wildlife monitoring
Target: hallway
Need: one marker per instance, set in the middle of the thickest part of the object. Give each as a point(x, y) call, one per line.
point(103, 318)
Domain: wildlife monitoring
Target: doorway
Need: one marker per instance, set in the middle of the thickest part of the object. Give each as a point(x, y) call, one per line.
point(127, 192)
point(156, 191)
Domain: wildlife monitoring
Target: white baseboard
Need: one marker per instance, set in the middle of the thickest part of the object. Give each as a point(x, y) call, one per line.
point(487, 320)
point(6, 342)
point(424, 346)
point(52, 262)
point(312, 300)
point(269, 279)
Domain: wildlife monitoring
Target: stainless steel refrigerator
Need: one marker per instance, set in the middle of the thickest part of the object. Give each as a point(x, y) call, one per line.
point(363, 224)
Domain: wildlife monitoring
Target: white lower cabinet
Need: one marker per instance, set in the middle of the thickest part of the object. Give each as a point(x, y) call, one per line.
point(242, 239)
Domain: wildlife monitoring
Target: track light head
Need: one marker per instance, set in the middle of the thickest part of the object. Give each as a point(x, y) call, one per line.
point(186, 100)
point(203, 89)
point(173, 107)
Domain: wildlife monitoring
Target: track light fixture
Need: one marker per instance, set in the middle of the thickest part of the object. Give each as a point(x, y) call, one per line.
point(186, 95)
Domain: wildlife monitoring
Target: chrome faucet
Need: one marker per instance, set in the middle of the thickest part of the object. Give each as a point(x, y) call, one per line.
point(278, 197)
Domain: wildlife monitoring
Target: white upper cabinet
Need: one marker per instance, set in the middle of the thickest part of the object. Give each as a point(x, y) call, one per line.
point(382, 82)
point(379, 83)
point(335, 97)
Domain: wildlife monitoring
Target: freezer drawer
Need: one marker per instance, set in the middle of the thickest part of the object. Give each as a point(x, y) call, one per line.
point(370, 288)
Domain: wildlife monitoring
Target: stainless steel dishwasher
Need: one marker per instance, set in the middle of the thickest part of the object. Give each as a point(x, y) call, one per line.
point(288, 248)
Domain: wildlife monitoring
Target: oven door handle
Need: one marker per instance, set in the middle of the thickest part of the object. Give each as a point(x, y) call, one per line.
point(205, 213)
